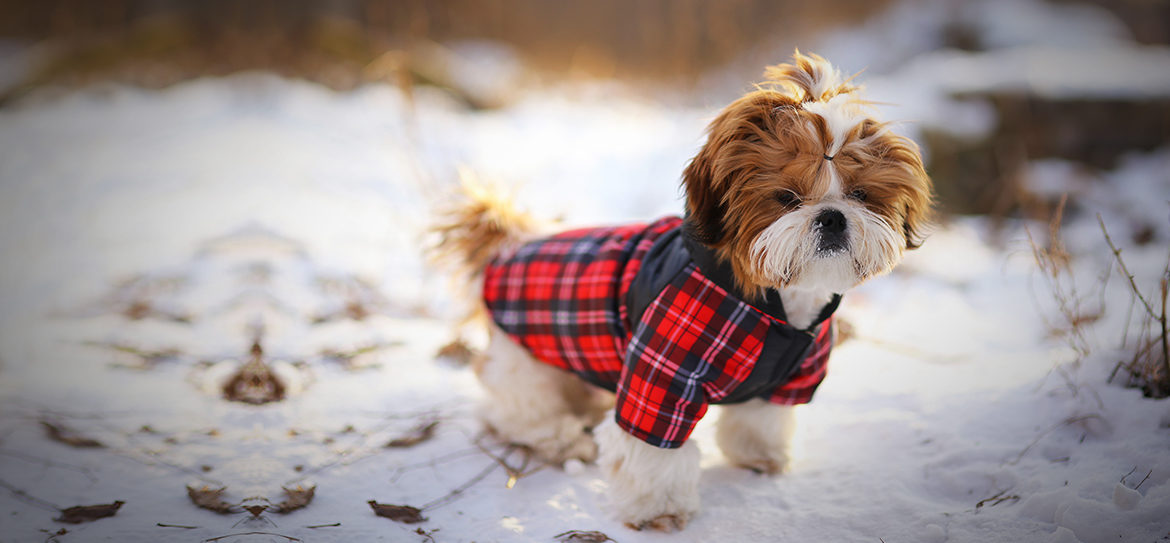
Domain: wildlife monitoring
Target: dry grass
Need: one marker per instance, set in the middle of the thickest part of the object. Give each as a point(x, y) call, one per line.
point(1145, 338)
point(1076, 309)
point(1149, 366)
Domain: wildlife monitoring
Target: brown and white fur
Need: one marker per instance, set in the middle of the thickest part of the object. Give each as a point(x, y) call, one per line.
point(802, 191)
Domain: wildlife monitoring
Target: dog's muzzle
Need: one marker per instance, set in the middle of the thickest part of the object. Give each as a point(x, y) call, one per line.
point(831, 224)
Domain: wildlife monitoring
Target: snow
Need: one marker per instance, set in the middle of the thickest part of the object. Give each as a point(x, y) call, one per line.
point(951, 415)
point(1055, 71)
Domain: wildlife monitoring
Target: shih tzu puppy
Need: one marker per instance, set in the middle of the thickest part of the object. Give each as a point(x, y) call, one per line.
point(798, 195)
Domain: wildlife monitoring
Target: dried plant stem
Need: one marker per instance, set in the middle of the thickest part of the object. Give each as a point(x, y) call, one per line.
point(289, 538)
point(998, 498)
point(1143, 481)
point(514, 473)
point(1061, 424)
point(49, 463)
point(1161, 319)
point(1125, 270)
point(452, 495)
point(23, 496)
point(1130, 472)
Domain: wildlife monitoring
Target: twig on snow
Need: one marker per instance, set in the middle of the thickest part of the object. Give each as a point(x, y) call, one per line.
point(49, 463)
point(1140, 483)
point(1065, 422)
point(28, 498)
point(452, 495)
point(288, 537)
point(997, 499)
point(514, 473)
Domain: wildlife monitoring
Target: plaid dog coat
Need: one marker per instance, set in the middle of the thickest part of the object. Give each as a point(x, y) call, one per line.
point(649, 313)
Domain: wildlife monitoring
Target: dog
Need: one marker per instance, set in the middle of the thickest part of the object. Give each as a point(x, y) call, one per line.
point(798, 195)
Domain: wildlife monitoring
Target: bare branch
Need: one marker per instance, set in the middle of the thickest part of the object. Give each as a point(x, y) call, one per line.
point(1125, 270)
point(211, 539)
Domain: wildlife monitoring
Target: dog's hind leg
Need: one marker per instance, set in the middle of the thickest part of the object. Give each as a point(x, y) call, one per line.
point(530, 403)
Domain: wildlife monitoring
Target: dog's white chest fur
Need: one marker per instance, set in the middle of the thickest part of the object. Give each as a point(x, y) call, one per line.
point(803, 305)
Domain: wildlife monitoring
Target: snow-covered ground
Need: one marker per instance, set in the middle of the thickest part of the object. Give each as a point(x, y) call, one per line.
point(255, 209)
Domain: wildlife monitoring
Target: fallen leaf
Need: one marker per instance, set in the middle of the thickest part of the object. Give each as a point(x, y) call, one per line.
point(210, 499)
point(362, 357)
point(846, 330)
point(89, 513)
point(457, 352)
point(579, 536)
point(295, 498)
point(416, 436)
point(398, 513)
point(255, 382)
point(67, 436)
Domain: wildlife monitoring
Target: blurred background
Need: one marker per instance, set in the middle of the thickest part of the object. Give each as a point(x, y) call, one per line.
point(1083, 81)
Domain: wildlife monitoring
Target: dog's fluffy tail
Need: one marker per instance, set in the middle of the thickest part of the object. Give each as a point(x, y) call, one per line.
point(481, 224)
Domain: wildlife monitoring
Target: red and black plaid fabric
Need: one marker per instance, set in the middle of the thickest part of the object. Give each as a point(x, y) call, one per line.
point(564, 298)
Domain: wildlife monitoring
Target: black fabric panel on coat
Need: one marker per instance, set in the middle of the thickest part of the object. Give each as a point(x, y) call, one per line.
point(785, 348)
point(662, 263)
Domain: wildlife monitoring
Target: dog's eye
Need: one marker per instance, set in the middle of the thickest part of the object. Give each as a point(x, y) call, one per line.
point(787, 198)
point(859, 195)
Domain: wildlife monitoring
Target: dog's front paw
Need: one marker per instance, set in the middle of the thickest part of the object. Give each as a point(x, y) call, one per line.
point(658, 512)
point(757, 435)
point(663, 523)
point(649, 487)
point(773, 464)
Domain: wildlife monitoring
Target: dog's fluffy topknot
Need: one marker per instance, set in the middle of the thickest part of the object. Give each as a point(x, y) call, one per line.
point(810, 78)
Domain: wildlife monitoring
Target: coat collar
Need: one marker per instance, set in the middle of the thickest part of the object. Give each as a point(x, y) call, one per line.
point(720, 273)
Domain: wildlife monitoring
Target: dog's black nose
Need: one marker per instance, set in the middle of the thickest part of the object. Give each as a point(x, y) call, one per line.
point(830, 221)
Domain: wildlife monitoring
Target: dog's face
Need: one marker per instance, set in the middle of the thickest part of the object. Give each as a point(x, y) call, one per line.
point(798, 186)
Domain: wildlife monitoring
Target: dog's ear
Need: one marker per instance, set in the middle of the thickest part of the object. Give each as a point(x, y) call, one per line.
point(705, 207)
point(730, 157)
point(917, 208)
point(916, 223)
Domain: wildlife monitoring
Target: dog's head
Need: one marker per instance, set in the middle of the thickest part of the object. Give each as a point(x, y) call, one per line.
point(799, 185)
